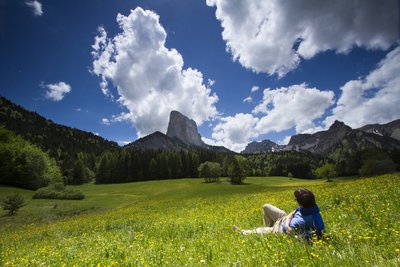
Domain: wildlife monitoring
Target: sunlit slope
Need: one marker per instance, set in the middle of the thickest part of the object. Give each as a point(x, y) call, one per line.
point(186, 222)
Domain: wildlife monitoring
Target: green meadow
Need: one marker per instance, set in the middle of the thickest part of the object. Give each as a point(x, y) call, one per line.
point(187, 222)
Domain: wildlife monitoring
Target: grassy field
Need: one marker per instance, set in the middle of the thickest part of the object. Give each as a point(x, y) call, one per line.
point(188, 223)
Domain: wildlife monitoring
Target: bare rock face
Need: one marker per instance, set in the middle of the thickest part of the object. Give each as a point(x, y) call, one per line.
point(391, 129)
point(320, 142)
point(184, 129)
point(263, 147)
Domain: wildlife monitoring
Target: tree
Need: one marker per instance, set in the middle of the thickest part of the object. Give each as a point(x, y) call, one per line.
point(25, 165)
point(236, 173)
point(376, 162)
point(377, 166)
point(204, 171)
point(12, 203)
point(326, 171)
point(215, 171)
point(210, 171)
point(79, 173)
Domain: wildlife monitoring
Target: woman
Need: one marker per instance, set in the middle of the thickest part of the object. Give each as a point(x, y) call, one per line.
point(303, 221)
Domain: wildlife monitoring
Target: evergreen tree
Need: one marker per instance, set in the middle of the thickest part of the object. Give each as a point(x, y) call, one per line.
point(79, 173)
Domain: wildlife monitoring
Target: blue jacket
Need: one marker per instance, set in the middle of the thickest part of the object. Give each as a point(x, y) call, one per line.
point(306, 220)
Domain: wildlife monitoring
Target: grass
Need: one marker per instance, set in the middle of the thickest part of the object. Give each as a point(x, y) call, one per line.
point(188, 223)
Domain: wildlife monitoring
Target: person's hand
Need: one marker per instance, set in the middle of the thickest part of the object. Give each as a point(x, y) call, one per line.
point(288, 230)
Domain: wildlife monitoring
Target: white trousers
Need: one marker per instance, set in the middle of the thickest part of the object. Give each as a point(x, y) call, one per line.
point(273, 218)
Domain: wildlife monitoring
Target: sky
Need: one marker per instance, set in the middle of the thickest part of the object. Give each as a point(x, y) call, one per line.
point(244, 70)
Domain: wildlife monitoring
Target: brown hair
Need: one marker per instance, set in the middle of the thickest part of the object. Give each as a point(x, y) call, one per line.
point(305, 197)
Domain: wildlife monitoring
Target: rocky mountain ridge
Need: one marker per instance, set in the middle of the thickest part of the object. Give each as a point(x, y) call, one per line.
point(263, 147)
point(391, 129)
point(386, 137)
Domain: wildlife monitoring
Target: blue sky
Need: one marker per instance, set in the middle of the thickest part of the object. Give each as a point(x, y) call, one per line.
point(243, 70)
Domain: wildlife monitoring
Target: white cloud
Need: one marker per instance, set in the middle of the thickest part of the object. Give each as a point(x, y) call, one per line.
point(36, 7)
point(248, 100)
point(105, 121)
point(149, 77)
point(285, 140)
point(281, 109)
point(254, 89)
point(273, 36)
point(294, 106)
point(210, 82)
point(371, 99)
point(57, 91)
point(235, 132)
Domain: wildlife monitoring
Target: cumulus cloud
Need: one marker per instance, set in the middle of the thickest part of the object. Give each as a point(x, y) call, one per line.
point(236, 131)
point(274, 36)
point(56, 91)
point(281, 109)
point(254, 89)
point(371, 99)
point(294, 106)
point(148, 76)
point(36, 7)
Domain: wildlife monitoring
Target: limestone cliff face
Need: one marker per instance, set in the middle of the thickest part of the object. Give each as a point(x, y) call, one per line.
point(184, 129)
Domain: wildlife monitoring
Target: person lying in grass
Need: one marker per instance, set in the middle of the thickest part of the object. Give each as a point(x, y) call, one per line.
point(303, 221)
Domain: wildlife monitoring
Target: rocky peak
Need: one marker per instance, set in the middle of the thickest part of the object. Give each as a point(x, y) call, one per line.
point(320, 142)
point(184, 129)
point(265, 146)
point(338, 125)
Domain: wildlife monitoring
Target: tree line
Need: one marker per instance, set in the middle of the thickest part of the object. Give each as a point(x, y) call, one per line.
point(27, 165)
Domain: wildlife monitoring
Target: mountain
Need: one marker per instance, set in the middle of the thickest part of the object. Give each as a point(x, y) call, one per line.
point(320, 142)
point(391, 129)
point(62, 143)
point(181, 135)
point(384, 137)
point(184, 129)
point(263, 147)
point(158, 140)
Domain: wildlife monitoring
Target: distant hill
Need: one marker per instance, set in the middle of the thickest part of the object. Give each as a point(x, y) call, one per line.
point(61, 142)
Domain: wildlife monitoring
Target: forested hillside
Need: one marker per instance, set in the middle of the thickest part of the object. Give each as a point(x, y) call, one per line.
point(65, 144)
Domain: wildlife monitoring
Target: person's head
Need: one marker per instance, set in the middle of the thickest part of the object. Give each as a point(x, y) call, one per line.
point(304, 197)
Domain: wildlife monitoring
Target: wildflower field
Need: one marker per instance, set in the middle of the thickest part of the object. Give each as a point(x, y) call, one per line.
point(189, 223)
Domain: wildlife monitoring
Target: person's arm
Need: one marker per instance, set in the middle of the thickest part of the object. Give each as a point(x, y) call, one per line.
point(288, 220)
